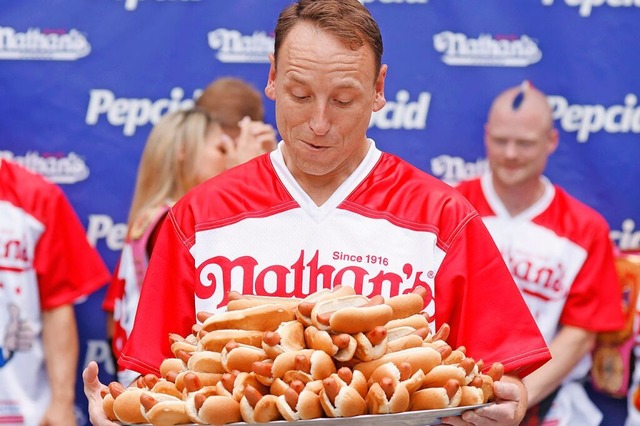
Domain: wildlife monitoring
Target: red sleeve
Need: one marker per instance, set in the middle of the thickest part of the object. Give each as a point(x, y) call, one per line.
point(114, 291)
point(167, 302)
point(595, 300)
point(66, 264)
point(476, 295)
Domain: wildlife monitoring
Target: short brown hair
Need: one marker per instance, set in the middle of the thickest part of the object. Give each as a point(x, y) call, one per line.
point(348, 20)
point(229, 99)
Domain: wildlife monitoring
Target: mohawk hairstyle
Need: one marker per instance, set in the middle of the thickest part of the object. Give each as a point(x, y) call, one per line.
point(519, 98)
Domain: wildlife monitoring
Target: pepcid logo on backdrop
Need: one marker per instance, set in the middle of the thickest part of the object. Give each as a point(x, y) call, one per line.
point(103, 227)
point(585, 7)
point(403, 113)
point(131, 113)
point(57, 167)
point(486, 50)
point(234, 47)
point(43, 44)
point(453, 170)
point(587, 119)
point(132, 5)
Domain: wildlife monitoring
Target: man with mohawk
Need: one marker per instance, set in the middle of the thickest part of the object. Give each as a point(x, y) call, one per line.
point(557, 248)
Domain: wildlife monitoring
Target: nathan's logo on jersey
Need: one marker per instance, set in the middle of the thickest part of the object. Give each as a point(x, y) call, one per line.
point(454, 170)
point(43, 44)
point(626, 238)
point(588, 119)
point(131, 113)
point(56, 167)
point(14, 254)
point(586, 6)
point(538, 278)
point(498, 51)
point(234, 47)
point(132, 5)
point(303, 277)
point(102, 227)
point(403, 113)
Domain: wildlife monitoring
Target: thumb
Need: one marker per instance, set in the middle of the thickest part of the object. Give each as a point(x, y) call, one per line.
point(90, 377)
point(506, 391)
point(14, 314)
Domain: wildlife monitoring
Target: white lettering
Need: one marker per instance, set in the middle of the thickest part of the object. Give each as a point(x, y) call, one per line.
point(454, 170)
point(131, 113)
point(460, 50)
point(588, 119)
point(403, 114)
point(100, 352)
point(232, 46)
point(102, 227)
point(132, 5)
point(585, 7)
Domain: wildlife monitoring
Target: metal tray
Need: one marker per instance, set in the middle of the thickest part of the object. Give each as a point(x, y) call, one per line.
point(409, 418)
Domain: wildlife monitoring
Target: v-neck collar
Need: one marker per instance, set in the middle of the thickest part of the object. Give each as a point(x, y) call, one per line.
point(531, 212)
point(318, 213)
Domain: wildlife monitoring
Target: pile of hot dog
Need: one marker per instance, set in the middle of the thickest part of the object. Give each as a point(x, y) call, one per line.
point(332, 354)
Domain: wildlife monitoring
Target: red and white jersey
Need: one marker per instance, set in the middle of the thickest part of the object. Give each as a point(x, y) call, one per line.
point(45, 262)
point(561, 257)
point(387, 229)
point(559, 254)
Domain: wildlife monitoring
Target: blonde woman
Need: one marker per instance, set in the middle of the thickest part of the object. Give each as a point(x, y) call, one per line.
point(184, 149)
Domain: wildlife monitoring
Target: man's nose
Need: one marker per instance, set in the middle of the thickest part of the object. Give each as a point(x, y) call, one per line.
point(319, 121)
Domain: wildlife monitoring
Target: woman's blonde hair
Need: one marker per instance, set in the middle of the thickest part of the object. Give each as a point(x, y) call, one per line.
point(167, 166)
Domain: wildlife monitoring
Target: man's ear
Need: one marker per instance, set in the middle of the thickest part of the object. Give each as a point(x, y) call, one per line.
point(554, 139)
point(380, 100)
point(270, 89)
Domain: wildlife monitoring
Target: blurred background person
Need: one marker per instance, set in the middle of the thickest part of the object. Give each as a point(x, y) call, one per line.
point(557, 248)
point(184, 149)
point(46, 263)
point(239, 109)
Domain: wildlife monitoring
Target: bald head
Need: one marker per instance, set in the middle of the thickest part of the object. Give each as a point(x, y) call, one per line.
point(524, 102)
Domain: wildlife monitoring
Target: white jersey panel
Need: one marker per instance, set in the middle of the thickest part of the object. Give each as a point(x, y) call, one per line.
point(294, 249)
point(543, 264)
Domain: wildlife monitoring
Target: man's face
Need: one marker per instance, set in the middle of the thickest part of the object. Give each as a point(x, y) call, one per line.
point(518, 144)
point(325, 94)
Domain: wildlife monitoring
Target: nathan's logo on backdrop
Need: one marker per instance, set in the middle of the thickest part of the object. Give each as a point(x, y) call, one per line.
point(486, 50)
point(586, 6)
point(133, 4)
point(43, 44)
point(233, 46)
point(627, 238)
point(131, 113)
point(402, 113)
point(588, 119)
point(58, 168)
point(454, 170)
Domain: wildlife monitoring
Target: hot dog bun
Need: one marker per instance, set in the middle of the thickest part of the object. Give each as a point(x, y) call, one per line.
point(405, 305)
point(162, 409)
point(261, 318)
point(239, 357)
point(422, 358)
point(216, 340)
point(305, 307)
point(437, 398)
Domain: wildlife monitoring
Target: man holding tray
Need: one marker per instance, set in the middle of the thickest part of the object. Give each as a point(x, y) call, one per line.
point(328, 208)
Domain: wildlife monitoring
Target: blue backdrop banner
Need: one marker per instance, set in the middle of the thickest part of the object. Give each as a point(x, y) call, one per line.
point(82, 82)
